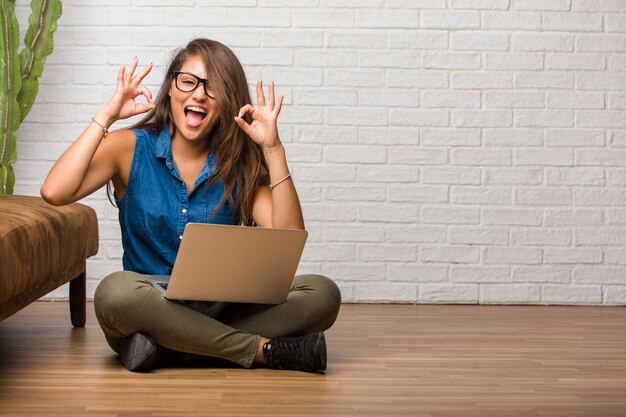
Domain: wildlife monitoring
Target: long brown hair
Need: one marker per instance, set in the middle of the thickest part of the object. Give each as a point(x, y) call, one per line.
point(240, 162)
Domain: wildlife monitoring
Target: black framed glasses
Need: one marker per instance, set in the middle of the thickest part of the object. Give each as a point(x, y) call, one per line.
point(188, 82)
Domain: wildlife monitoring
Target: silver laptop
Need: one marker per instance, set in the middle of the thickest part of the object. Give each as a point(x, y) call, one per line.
point(233, 264)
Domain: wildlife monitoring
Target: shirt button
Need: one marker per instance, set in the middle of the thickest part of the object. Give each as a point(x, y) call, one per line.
point(180, 237)
point(184, 211)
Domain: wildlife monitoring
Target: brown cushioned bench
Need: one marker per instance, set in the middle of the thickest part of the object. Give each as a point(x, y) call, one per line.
point(41, 248)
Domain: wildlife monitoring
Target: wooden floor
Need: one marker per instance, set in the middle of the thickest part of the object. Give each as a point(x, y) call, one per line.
point(384, 360)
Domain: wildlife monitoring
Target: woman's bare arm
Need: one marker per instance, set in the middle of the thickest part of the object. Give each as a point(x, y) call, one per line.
point(92, 160)
point(279, 207)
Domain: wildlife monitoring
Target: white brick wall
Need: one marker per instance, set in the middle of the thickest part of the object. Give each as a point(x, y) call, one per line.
point(446, 151)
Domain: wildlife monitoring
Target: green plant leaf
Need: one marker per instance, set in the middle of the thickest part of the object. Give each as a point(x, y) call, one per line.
point(10, 85)
point(38, 44)
point(7, 180)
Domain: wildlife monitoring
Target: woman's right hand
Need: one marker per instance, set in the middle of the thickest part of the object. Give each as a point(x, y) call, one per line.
point(123, 105)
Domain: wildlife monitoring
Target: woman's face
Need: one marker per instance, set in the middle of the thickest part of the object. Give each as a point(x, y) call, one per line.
point(194, 113)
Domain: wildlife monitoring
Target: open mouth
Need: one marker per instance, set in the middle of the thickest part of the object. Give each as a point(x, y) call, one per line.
point(195, 115)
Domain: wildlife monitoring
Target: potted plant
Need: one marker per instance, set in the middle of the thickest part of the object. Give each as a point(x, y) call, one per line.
point(19, 73)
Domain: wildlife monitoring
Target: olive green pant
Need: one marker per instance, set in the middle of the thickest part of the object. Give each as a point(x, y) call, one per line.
point(126, 303)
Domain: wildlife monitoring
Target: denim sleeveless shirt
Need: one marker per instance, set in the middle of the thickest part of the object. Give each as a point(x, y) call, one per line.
point(156, 207)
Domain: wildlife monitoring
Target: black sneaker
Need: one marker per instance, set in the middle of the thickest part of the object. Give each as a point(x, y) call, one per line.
point(304, 353)
point(138, 353)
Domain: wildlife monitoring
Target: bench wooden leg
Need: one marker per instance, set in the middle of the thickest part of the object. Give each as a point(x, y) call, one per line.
point(78, 296)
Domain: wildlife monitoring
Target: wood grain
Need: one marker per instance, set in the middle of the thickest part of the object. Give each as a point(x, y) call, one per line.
point(384, 360)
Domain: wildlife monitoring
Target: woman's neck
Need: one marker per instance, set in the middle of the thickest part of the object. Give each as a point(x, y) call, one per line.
point(187, 149)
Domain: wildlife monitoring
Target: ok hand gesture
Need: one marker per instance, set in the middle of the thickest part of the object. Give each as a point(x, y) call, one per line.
point(123, 105)
point(263, 129)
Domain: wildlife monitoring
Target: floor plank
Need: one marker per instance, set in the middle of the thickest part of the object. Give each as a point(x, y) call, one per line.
point(384, 360)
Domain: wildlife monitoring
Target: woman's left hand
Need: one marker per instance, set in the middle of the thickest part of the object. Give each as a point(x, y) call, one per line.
point(263, 129)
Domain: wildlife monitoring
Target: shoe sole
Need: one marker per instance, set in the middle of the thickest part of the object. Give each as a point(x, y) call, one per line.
point(136, 351)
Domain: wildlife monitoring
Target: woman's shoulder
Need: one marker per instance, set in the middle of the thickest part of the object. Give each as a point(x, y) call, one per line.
point(132, 140)
point(122, 140)
point(121, 135)
point(149, 134)
point(130, 134)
